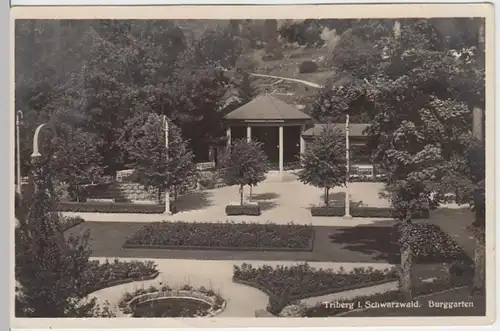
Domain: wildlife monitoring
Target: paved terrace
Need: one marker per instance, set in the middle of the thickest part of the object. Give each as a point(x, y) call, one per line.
point(281, 202)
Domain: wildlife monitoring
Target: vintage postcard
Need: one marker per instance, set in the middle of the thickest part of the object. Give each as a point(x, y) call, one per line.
point(239, 166)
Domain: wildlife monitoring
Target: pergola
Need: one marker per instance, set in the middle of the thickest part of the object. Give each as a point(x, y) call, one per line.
point(272, 121)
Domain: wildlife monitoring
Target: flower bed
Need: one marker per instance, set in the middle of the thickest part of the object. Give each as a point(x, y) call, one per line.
point(223, 236)
point(101, 275)
point(301, 281)
point(113, 207)
point(168, 302)
point(360, 211)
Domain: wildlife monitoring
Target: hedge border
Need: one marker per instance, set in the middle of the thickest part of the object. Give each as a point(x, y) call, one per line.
point(362, 212)
point(123, 281)
point(309, 248)
point(245, 210)
point(319, 293)
point(115, 207)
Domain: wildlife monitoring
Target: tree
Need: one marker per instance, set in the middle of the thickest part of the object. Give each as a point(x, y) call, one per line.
point(422, 127)
point(216, 48)
point(49, 268)
point(77, 161)
point(324, 162)
point(244, 164)
point(154, 165)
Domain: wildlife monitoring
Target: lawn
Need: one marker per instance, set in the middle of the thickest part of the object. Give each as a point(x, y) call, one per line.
point(369, 244)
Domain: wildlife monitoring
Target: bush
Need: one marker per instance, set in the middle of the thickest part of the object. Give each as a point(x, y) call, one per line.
point(251, 210)
point(429, 243)
point(100, 207)
point(306, 67)
point(302, 281)
point(461, 273)
point(100, 275)
point(294, 310)
point(229, 235)
point(337, 211)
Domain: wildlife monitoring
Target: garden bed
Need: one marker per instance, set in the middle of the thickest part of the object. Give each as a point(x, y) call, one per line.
point(109, 207)
point(168, 302)
point(360, 211)
point(223, 236)
point(302, 281)
point(101, 275)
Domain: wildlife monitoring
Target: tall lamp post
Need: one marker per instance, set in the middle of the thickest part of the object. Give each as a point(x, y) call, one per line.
point(167, 190)
point(347, 199)
point(19, 119)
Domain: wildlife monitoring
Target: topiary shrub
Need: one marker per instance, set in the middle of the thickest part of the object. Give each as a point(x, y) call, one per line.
point(307, 67)
point(298, 309)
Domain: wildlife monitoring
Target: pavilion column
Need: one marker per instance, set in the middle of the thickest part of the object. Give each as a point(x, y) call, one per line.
point(302, 141)
point(228, 136)
point(249, 133)
point(281, 150)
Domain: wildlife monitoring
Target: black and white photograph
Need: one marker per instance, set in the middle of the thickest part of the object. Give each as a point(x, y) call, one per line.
point(259, 168)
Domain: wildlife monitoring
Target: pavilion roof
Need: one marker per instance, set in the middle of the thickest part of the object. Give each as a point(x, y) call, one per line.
point(355, 129)
point(267, 107)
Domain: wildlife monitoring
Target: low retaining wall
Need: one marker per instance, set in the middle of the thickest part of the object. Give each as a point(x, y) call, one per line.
point(178, 294)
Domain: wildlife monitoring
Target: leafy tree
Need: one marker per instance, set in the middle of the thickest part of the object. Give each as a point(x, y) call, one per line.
point(153, 165)
point(306, 33)
point(324, 163)
point(49, 268)
point(77, 161)
point(422, 127)
point(244, 164)
point(216, 48)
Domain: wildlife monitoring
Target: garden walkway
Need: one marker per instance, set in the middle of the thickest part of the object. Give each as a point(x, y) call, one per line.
point(242, 301)
point(281, 202)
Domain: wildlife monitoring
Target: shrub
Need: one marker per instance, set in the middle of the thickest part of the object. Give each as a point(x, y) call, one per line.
point(429, 243)
point(302, 281)
point(229, 235)
point(307, 67)
point(99, 207)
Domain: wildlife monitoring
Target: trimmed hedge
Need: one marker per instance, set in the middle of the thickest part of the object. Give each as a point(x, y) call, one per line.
point(285, 284)
point(360, 211)
point(430, 244)
point(223, 236)
point(250, 210)
point(100, 207)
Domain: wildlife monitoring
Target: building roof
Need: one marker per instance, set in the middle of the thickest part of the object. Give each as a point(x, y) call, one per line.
point(267, 107)
point(355, 129)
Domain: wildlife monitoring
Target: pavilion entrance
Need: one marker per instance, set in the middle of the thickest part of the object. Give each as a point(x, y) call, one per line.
point(276, 124)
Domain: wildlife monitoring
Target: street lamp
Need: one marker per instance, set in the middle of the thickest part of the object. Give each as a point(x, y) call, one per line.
point(167, 190)
point(19, 120)
point(36, 152)
point(347, 200)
